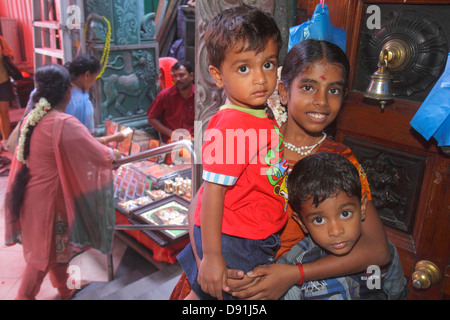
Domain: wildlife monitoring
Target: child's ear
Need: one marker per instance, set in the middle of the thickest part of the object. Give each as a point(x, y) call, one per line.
point(364, 202)
point(216, 76)
point(296, 218)
point(283, 93)
point(304, 229)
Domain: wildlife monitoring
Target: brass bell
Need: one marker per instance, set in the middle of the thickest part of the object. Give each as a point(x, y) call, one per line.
point(380, 87)
point(394, 55)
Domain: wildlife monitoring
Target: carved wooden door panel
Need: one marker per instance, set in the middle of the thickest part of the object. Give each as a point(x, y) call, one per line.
point(409, 184)
point(407, 174)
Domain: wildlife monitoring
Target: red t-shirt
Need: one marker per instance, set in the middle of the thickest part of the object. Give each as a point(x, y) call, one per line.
point(242, 150)
point(173, 111)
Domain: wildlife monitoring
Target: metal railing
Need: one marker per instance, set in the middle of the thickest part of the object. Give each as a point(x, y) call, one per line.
point(175, 146)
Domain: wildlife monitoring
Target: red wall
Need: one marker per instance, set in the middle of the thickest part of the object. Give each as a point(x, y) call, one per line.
point(22, 11)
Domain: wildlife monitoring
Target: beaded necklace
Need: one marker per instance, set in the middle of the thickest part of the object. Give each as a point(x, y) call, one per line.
point(304, 150)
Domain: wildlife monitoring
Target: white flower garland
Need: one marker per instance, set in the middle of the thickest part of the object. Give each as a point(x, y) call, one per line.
point(39, 111)
point(279, 111)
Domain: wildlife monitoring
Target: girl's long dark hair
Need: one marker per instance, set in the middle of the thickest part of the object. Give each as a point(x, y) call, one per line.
point(306, 53)
point(52, 83)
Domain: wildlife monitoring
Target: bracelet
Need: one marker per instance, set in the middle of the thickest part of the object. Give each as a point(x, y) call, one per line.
point(302, 273)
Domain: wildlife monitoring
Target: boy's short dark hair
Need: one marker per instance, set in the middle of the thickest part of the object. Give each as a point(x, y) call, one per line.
point(245, 25)
point(321, 176)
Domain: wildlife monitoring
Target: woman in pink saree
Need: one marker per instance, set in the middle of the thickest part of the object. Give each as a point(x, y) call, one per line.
point(59, 197)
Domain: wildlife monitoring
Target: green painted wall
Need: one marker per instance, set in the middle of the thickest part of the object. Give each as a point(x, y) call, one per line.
point(150, 5)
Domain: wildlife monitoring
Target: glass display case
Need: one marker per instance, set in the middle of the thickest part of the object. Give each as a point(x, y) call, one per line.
point(152, 191)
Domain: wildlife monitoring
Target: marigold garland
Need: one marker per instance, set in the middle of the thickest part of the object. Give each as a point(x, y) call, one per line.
point(106, 50)
point(36, 115)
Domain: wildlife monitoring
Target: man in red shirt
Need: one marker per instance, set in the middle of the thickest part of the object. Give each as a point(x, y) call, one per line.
point(173, 107)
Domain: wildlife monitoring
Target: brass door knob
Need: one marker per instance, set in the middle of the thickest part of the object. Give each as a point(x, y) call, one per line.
point(426, 274)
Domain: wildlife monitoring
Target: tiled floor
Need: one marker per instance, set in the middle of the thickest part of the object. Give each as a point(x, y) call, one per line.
point(92, 263)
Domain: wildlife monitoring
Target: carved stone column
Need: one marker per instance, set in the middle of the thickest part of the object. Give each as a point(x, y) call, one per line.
point(130, 81)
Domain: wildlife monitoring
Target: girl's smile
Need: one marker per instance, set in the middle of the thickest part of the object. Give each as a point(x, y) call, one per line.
point(316, 116)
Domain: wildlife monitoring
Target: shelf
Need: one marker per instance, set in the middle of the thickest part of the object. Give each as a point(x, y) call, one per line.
point(47, 24)
point(56, 53)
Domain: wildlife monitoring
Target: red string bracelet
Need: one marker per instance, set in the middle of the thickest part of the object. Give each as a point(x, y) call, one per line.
point(302, 273)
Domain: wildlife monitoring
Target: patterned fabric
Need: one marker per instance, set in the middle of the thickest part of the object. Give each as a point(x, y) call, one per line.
point(361, 286)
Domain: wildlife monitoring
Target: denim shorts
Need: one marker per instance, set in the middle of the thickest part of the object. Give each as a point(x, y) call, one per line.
point(238, 253)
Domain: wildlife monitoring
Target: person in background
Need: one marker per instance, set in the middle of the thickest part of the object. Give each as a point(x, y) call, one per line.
point(59, 193)
point(83, 70)
point(174, 107)
point(6, 93)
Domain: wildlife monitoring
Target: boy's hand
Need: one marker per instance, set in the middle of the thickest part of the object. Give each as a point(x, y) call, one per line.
point(212, 275)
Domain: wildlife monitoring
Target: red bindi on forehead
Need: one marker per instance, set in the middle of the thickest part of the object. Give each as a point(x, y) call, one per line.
point(323, 78)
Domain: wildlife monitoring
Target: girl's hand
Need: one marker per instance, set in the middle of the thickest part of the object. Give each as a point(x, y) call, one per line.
point(117, 154)
point(238, 281)
point(275, 280)
point(212, 275)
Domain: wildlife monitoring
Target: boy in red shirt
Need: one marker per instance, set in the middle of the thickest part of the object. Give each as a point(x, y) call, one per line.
point(241, 206)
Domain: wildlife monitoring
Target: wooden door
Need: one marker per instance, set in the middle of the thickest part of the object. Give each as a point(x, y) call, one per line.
point(408, 175)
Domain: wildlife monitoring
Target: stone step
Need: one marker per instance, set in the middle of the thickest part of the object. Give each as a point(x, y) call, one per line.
point(141, 284)
point(156, 286)
point(98, 290)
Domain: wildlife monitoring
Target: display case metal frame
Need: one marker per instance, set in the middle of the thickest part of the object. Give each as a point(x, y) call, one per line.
point(159, 151)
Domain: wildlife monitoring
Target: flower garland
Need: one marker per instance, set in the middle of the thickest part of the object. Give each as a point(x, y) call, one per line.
point(106, 50)
point(279, 111)
point(39, 111)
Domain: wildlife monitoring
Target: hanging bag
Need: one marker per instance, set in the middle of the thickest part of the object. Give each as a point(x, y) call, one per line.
point(433, 117)
point(319, 28)
point(11, 69)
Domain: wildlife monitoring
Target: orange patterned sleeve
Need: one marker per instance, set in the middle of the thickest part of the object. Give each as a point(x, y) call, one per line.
point(332, 146)
point(365, 189)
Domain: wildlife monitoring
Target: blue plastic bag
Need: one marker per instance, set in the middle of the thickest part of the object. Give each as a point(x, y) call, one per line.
point(319, 28)
point(433, 116)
